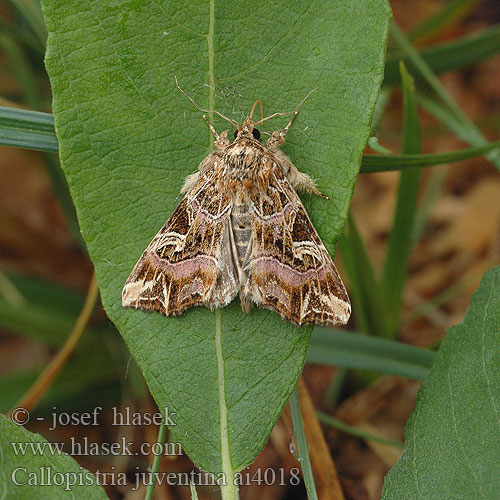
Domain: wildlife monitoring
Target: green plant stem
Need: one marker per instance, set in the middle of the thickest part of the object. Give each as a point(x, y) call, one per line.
point(194, 494)
point(302, 446)
point(155, 467)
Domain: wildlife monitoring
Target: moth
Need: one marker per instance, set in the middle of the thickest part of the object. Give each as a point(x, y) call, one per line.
point(241, 229)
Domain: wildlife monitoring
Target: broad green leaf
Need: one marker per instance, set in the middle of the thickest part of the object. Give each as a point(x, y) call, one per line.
point(128, 138)
point(453, 436)
point(40, 471)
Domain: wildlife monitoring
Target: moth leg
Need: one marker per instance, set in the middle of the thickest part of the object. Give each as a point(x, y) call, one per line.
point(221, 141)
point(299, 180)
point(303, 182)
point(212, 128)
point(246, 303)
point(190, 181)
point(285, 130)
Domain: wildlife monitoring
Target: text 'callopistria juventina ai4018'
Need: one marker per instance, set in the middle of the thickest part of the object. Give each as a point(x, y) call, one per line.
point(241, 229)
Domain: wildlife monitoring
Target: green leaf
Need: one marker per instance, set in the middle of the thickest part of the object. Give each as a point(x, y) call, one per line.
point(453, 436)
point(41, 472)
point(366, 352)
point(162, 434)
point(128, 138)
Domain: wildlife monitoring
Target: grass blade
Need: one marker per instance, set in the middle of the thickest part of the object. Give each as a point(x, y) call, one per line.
point(27, 129)
point(474, 135)
point(52, 370)
point(366, 352)
point(355, 431)
point(41, 125)
point(451, 13)
point(30, 10)
point(384, 163)
point(21, 71)
point(448, 56)
point(400, 240)
point(429, 198)
point(302, 445)
point(365, 289)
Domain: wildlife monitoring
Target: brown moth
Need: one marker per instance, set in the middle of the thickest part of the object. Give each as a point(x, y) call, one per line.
point(241, 229)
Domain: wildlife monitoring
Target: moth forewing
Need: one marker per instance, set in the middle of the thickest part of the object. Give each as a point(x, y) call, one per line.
point(241, 229)
point(187, 263)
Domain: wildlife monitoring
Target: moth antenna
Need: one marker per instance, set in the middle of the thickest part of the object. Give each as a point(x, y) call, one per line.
point(199, 107)
point(261, 109)
point(295, 111)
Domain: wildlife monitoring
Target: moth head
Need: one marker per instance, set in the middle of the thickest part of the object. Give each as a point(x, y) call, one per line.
point(247, 130)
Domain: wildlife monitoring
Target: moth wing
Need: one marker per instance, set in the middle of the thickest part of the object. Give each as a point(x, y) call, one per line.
point(189, 261)
point(289, 270)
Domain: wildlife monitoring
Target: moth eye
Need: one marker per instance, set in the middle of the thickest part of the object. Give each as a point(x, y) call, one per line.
point(256, 133)
point(236, 133)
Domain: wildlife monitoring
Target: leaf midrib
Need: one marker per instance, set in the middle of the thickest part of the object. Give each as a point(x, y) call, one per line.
point(228, 491)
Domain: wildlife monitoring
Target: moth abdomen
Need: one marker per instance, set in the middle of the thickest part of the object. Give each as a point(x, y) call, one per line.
point(242, 230)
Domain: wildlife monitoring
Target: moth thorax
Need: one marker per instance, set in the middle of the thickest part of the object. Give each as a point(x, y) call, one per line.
point(242, 230)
